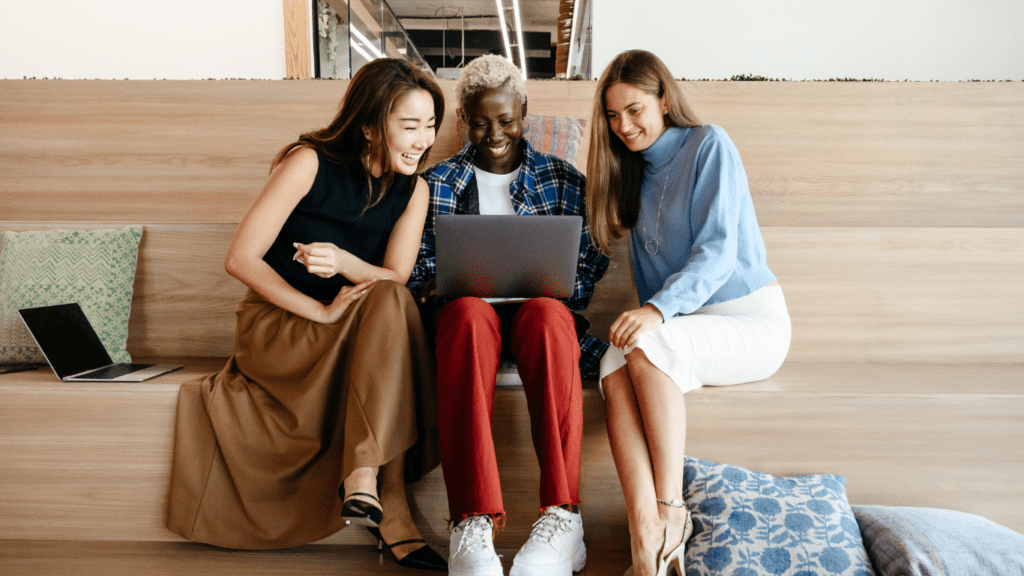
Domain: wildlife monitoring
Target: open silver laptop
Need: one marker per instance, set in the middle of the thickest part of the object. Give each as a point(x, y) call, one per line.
point(506, 256)
point(74, 350)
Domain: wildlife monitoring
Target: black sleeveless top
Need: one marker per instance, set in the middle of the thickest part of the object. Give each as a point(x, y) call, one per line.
point(332, 211)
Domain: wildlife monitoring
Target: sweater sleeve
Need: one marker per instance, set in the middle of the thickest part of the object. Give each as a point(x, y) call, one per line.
point(714, 212)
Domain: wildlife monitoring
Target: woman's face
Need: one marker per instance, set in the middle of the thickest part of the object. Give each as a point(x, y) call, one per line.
point(410, 131)
point(635, 116)
point(495, 122)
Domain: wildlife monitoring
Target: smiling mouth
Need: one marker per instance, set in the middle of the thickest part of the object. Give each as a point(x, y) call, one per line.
point(499, 150)
point(412, 158)
point(631, 137)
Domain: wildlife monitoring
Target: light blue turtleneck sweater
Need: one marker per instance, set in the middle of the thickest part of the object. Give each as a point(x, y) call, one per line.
point(696, 204)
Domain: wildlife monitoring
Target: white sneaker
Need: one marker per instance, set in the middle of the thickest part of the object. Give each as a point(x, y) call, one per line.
point(471, 549)
point(555, 546)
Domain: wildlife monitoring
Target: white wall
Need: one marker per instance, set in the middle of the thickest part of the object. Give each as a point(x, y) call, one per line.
point(794, 39)
point(946, 40)
point(138, 39)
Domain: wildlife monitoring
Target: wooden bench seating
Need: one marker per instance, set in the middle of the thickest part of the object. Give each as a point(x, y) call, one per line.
point(892, 214)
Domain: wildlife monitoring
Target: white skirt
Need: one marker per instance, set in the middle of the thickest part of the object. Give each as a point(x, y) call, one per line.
point(735, 342)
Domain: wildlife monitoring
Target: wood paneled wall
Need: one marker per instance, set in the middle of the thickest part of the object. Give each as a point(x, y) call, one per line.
point(893, 213)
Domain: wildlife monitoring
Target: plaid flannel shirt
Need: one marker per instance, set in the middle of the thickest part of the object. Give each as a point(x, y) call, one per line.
point(546, 185)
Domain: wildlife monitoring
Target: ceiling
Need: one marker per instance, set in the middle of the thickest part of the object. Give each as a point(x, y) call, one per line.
point(537, 15)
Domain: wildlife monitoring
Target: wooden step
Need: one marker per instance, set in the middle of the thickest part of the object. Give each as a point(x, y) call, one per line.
point(86, 558)
point(90, 461)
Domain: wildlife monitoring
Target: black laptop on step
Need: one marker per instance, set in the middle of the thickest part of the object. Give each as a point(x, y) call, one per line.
point(74, 350)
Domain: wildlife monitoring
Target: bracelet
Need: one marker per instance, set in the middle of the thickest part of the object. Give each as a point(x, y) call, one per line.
point(675, 503)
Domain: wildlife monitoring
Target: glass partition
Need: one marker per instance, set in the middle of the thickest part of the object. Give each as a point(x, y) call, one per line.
point(353, 32)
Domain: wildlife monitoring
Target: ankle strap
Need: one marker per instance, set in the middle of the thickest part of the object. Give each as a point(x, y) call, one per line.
point(361, 494)
point(403, 542)
point(675, 503)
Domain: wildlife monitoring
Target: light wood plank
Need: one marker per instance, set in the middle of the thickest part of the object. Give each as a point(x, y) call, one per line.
point(816, 153)
point(875, 153)
point(91, 461)
point(940, 295)
point(943, 295)
point(46, 558)
point(297, 43)
point(86, 461)
point(158, 151)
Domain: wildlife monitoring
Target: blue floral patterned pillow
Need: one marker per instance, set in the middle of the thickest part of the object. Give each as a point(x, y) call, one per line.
point(749, 523)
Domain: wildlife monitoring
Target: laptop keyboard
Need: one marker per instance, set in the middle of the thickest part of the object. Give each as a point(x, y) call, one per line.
point(111, 372)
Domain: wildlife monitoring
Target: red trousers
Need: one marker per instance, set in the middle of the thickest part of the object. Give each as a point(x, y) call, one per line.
point(541, 335)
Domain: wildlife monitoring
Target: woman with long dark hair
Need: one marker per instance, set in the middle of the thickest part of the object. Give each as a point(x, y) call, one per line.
point(330, 392)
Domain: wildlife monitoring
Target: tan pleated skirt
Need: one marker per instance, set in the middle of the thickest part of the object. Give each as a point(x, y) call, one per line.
point(262, 446)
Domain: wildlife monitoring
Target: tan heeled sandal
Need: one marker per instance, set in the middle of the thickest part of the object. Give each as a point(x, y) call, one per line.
point(674, 560)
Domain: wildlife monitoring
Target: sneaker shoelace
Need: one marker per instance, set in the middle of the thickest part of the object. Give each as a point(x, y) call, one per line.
point(549, 526)
point(474, 534)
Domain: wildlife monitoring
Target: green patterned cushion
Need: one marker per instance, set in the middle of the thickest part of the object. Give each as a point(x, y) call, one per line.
point(95, 269)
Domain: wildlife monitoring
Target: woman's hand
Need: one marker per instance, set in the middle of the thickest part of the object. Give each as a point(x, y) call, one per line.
point(632, 323)
point(323, 259)
point(347, 295)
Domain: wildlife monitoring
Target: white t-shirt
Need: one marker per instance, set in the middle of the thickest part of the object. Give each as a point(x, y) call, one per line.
point(494, 191)
point(495, 198)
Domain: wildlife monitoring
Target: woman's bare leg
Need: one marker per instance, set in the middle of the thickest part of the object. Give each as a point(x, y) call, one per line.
point(662, 409)
point(398, 524)
point(362, 480)
point(633, 464)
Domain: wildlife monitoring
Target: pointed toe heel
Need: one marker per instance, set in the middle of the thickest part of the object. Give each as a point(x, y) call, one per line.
point(422, 558)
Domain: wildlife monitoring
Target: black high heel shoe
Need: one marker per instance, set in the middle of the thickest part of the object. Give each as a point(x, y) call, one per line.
point(361, 513)
point(423, 558)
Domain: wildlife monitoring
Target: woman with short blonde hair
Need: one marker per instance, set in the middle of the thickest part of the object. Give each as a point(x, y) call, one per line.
point(498, 172)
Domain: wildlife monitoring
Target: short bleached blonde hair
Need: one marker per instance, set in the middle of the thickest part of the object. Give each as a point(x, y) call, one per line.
point(490, 71)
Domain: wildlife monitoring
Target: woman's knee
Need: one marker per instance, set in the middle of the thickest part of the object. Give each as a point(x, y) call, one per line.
point(616, 385)
point(385, 289)
point(390, 303)
point(388, 295)
point(640, 366)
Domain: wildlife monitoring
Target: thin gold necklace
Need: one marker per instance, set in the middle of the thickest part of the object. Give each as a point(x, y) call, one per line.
point(653, 240)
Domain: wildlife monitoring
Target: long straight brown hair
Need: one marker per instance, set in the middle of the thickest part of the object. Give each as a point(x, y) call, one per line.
point(371, 96)
point(614, 173)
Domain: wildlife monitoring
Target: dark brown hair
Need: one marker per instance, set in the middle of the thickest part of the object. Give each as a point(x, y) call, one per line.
point(614, 172)
point(371, 96)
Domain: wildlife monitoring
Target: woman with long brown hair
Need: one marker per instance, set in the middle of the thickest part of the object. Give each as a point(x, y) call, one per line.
point(330, 392)
point(711, 312)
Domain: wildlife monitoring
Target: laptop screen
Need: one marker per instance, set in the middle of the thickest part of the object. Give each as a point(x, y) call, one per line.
point(66, 338)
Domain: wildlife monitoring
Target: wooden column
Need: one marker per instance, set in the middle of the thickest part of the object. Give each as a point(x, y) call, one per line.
point(296, 40)
point(563, 35)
